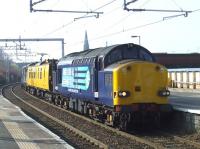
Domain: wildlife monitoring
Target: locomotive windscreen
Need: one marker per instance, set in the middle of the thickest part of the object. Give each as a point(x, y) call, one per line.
point(125, 52)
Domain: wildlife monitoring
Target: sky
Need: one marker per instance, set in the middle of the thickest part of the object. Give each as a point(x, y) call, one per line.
point(115, 26)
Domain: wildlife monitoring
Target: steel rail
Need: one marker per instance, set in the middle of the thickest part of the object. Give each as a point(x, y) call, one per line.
point(195, 144)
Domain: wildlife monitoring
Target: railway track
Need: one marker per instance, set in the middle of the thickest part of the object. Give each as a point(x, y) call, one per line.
point(81, 138)
point(169, 140)
point(83, 132)
point(79, 130)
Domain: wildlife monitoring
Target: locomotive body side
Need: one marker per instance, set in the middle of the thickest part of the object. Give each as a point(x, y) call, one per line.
point(41, 77)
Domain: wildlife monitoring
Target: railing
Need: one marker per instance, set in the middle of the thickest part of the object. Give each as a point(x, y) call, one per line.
point(184, 78)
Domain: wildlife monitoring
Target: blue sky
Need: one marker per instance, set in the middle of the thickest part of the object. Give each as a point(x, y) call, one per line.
point(114, 26)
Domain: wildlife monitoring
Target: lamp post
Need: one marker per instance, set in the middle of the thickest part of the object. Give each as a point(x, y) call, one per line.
point(138, 38)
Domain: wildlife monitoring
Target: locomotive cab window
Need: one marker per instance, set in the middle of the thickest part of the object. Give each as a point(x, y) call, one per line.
point(115, 56)
point(145, 56)
point(130, 53)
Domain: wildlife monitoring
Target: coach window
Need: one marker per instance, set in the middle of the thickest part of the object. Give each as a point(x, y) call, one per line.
point(38, 73)
point(41, 73)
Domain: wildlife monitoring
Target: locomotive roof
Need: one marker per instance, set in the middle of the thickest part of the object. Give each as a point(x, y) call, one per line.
point(91, 52)
point(47, 61)
point(108, 54)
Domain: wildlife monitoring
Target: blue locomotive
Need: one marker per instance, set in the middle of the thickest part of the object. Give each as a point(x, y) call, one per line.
point(114, 84)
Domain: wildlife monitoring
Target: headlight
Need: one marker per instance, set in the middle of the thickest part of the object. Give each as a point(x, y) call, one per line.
point(123, 93)
point(164, 93)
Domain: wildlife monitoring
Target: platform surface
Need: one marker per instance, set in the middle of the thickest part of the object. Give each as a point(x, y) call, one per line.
point(187, 100)
point(18, 131)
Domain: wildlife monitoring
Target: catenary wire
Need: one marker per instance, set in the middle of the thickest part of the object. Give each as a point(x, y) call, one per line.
point(71, 22)
point(126, 30)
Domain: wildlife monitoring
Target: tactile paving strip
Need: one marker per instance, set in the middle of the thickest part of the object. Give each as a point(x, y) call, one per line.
point(22, 140)
point(18, 135)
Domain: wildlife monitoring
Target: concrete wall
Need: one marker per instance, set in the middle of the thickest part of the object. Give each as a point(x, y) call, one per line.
point(185, 122)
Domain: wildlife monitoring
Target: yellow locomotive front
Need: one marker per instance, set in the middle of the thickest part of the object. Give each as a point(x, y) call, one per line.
point(141, 86)
point(140, 92)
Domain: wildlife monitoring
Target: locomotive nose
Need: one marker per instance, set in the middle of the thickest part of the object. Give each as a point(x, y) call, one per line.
point(142, 82)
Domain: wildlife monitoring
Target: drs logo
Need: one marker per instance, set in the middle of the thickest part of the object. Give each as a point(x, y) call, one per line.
point(76, 77)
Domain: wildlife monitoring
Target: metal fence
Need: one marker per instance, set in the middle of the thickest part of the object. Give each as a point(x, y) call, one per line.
point(184, 78)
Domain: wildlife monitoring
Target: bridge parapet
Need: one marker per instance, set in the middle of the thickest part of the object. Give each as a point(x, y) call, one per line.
point(184, 78)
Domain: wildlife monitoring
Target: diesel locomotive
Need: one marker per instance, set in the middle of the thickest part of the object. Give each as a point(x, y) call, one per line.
point(117, 85)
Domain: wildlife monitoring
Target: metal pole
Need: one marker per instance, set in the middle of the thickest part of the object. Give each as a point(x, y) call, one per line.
point(138, 39)
point(63, 48)
point(7, 70)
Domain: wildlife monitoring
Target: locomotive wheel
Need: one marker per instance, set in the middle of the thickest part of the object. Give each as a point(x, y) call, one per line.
point(123, 125)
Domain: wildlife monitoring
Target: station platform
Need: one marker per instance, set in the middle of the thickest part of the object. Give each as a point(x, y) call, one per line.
point(18, 131)
point(186, 100)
